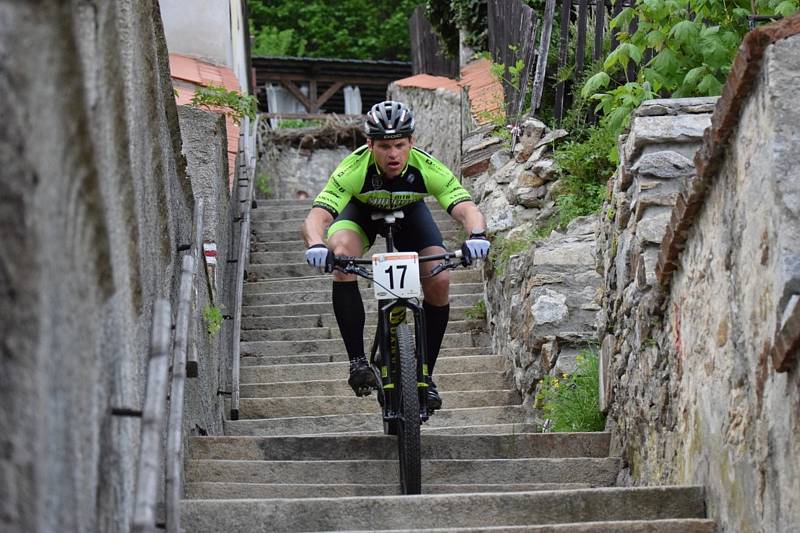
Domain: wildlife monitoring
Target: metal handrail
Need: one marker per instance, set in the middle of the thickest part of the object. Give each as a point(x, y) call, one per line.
point(197, 247)
point(153, 412)
point(241, 262)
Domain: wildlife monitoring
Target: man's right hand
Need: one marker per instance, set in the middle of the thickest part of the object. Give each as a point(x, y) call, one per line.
point(317, 255)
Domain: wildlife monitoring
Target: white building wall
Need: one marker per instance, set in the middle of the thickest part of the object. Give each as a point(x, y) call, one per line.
point(202, 29)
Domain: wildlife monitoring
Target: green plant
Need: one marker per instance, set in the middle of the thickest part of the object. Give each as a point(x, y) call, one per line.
point(262, 185)
point(213, 318)
point(544, 231)
point(232, 103)
point(682, 47)
point(503, 248)
point(584, 168)
point(295, 123)
point(477, 311)
point(571, 401)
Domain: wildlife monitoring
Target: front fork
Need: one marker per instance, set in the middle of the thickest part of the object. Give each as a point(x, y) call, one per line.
point(391, 314)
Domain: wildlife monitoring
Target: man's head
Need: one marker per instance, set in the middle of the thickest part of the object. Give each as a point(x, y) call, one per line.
point(389, 128)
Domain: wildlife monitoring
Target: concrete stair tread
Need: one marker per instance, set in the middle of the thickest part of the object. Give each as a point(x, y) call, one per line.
point(314, 447)
point(676, 525)
point(596, 471)
point(307, 308)
point(339, 387)
point(472, 338)
point(325, 357)
point(304, 372)
point(328, 320)
point(332, 332)
point(370, 422)
point(259, 408)
point(223, 490)
point(447, 511)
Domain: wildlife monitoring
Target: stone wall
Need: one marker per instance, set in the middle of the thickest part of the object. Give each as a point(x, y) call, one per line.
point(94, 203)
point(437, 113)
point(541, 289)
point(699, 315)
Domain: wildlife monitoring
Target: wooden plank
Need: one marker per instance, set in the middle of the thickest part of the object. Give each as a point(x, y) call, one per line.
point(153, 412)
point(615, 31)
point(632, 69)
point(580, 46)
point(544, 50)
point(566, 6)
point(599, 29)
point(174, 452)
point(528, 47)
point(307, 116)
point(328, 93)
point(297, 93)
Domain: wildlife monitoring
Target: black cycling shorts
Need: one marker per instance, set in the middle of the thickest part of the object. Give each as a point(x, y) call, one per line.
point(414, 232)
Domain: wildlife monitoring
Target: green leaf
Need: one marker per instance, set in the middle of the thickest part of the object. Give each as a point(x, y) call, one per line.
point(655, 39)
point(665, 62)
point(786, 8)
point(624, 18)
point(710, 85)
point(593, 84)
point(683, 31)
point(693, 77)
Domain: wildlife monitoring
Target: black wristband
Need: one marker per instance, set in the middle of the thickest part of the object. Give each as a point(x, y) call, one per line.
point(481, 235)
point(317, 246)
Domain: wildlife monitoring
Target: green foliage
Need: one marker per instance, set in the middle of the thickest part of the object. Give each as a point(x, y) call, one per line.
point(503, 248)
point(346, 29)
point(213, 318)
point(477, 311)
point(681, 47)
point(585, 167)
point(262, 185)
point(448, 16)
point(232, 103)
point(296, 123)
point(571, 401)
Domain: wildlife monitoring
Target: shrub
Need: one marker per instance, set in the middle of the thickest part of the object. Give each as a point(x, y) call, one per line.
point(502, 249)
point(232, 103)
point(477, 311)
point(571, 402)
point(213, 317)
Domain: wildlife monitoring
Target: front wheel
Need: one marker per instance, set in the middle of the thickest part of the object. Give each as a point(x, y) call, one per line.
point(408, 439)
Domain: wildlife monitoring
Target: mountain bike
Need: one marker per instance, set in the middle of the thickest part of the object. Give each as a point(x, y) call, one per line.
point(399, 355)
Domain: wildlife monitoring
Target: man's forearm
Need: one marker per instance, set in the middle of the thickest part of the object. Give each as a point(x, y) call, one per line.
point(468, 214)
point(315, 225)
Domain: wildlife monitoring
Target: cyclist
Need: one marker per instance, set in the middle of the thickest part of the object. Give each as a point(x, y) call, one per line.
point(388, 174)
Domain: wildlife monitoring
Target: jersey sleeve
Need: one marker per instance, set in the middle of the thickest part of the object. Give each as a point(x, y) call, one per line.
point(342, 184)
point(442, 183)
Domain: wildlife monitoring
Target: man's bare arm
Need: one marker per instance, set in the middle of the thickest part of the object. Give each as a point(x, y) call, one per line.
point(315, 226)
point(468, 214)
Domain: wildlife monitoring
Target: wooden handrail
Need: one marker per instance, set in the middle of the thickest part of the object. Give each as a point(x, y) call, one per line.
point(153, 413)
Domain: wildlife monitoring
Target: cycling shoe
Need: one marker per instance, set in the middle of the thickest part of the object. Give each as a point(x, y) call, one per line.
point(434, 400)
point(362, 378)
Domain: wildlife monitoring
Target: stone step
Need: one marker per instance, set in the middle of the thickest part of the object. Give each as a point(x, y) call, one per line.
point(295, 244)
point(321, 371)
point(441, 218)
point(384, 447)
point(286, 234)
point(327, 346)
point(372, 422)
point(257, 408)
point(290, 208)
point(212, 490)
point(594, 471)
point(327, 320)
point(329, 337)
point(370, 306)
point(324, 281)
point(298, 333)
point(342, 356)
point(447, 511)
point(674, 525)
point(307, 296)
point(339, 387)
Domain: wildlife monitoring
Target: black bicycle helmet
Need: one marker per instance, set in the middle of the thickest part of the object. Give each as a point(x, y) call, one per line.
point(389, 120)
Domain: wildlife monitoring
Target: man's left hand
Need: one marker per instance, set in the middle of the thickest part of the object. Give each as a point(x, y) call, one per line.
point(475, 247)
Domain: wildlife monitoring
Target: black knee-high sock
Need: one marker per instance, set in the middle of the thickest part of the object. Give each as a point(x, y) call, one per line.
point(436, 323)
point(349, 310)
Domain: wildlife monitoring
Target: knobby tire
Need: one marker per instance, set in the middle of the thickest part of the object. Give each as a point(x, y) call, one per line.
point(408, 428)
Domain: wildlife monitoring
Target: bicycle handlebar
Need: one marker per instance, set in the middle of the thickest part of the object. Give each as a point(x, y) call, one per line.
point(349, 265)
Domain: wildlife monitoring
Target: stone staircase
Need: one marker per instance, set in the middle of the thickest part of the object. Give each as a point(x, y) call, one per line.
point(307, 455)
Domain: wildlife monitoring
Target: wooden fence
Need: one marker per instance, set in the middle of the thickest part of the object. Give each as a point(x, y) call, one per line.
point(514, 29)
point(427, 53)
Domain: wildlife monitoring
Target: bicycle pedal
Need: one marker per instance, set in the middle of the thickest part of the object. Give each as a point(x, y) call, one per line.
point(363, 391)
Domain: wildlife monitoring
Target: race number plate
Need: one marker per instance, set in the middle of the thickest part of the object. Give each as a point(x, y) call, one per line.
point(396, 275)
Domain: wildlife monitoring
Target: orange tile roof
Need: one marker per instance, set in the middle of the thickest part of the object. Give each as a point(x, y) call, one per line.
point(484, 91)
point(197, 73)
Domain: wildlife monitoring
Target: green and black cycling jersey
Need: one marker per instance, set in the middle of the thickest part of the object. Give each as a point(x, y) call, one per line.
point(358, 177)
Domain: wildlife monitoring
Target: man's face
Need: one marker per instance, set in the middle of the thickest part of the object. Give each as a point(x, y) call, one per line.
point(391, 155)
